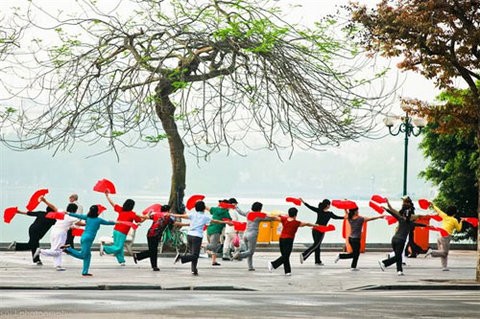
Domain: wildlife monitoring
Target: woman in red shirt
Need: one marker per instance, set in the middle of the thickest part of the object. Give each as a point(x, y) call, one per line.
point(290, 226)
point(120, 231)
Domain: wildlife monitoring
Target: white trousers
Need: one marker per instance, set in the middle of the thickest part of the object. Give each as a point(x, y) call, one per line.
point(57, 239)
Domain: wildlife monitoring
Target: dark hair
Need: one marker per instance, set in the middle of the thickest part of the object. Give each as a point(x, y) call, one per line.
point(257, 206)
point(233, 201)
point(451, 211)
point(49, 209)
point(93, 212)
point(351, 212)
point(128, 205)
point(165, 208)
point(72, 208)
point(323, 204)
point(292, 212)
point(200, 206)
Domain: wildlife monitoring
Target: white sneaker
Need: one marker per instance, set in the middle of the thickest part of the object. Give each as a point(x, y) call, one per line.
point(337, 259)
point(270, 266)
point(37, 253)
point(428, 253)
point(288, 274)
point(301, 258)
point(382, 265)
point(122, 264)
point(60, 268)
point(101, 249)
point(445, 269)
point(400, 273)
point(354, 269)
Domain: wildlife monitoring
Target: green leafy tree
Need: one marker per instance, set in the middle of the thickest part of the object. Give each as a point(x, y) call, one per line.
point(196, 74)
point(439, 39)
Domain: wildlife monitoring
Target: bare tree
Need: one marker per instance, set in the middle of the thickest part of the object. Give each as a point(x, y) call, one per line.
point(202, 74)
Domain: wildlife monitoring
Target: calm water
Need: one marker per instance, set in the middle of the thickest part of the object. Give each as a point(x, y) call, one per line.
point(377, 231)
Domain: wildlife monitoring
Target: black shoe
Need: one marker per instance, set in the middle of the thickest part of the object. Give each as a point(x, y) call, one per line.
point(134, 258)
point(156, 269)
point(225, 258)
point(195, 273)
point(216, 264)
point(412, 256)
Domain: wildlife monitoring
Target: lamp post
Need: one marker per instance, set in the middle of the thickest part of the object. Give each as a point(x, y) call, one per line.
point(409, 126)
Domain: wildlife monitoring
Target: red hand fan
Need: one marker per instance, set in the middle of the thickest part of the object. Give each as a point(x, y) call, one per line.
point(101, 209)
point(77, 232)
point(104, 185)
point(33, 202)
point(9, 213)
point(438, 218)
point(205, 227)
point(55, 215)
point(344, 204)
point(155, 208)
point(424, 203)
point(390, 220)
point(239, 226)
point(379, 199)
point(442, 231)
point(472, 221)
point(294, 200)
point(193, 200)
point(324, 229)
point(226, 205)
point(252, 215)
point(377, 208)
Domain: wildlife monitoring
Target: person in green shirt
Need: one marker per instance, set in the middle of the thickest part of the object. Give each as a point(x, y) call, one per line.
point(214, 231)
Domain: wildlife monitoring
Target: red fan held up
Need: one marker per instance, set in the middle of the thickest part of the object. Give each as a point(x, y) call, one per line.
point(424, 203)
point(344, 204)
point(193, 200)
point(377, 208)
point(379, 199)
point(155, 208)
point(9, 213)
point(294, 200)
point(104, 185)
point(34, 199)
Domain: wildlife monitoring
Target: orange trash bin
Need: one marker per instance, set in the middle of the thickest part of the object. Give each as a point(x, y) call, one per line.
point(346, 233)
point(264, 232)
point(421, 235)
point(276, 230)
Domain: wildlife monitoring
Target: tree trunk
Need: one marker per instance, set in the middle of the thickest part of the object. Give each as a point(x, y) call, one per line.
point(165, 111)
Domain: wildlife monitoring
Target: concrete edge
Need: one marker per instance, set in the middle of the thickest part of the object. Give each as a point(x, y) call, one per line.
point(127, 287)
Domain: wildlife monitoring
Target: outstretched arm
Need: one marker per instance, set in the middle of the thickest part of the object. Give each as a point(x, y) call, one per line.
point(302, 224)
point(312, 208)
point(109, 199)
point(367, 219)
point(53, 207)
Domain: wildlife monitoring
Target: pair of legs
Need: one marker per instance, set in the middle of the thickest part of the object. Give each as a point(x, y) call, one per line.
point(152, 251)
point(116, 248)
point(35, 235)
point(443, 247)
point(84, 253)
point(57, 239)
point(286, 245)
point(355, 254)
point(213, 246)
point(397, 245)
point(250, 241)
point(227, 244)
point(317, 242)
point(194, 244)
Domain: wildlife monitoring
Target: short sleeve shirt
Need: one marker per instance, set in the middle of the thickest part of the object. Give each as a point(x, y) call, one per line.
point(290, 227)
point(197, 221)
point(123, 216)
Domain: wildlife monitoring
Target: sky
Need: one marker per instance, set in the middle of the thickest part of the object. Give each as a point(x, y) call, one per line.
point(356, 169)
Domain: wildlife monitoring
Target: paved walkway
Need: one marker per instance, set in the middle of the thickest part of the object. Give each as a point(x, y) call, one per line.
point(17, 272)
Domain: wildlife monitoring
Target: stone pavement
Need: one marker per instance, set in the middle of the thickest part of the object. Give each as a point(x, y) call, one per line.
point(18, 272)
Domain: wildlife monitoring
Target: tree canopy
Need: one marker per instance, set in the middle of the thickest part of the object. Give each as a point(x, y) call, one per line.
point(204, 74)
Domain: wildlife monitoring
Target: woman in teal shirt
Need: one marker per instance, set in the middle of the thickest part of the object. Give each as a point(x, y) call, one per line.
point(93, 223)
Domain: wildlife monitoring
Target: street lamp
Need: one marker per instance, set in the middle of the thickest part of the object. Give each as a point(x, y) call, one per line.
point(409, 126)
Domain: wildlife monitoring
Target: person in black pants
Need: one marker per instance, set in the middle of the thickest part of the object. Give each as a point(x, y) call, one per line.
point(154, 235)
point(40, 226)
point(73, 199)
point(290, 226)
point(323, 216)
point(405, 226)
point(356, 224)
